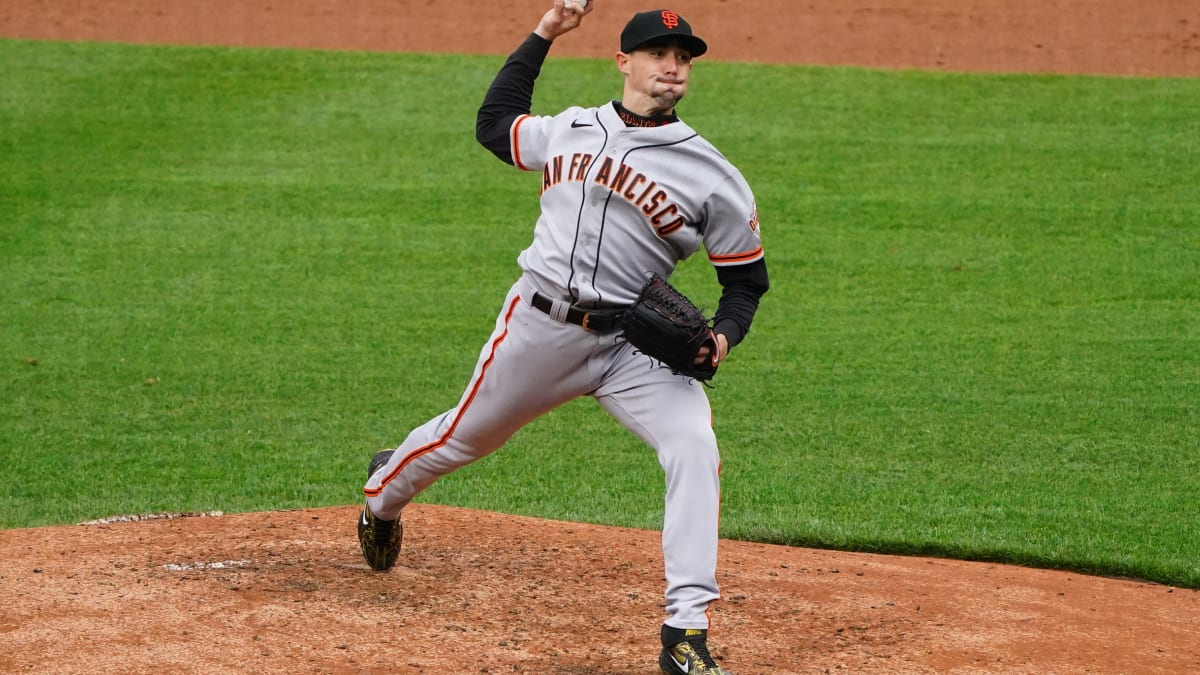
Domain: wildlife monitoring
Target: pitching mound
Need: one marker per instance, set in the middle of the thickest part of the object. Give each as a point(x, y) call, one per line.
point(480, 592)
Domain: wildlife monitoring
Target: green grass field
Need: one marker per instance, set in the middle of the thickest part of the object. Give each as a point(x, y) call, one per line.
point(230, 275)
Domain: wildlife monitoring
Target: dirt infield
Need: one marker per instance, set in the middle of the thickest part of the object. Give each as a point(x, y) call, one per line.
point(1123, 37)
point(287, 592)
point(488, 593)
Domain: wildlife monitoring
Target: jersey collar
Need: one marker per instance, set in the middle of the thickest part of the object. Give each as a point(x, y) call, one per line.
point(675, 131)
point(632, 119)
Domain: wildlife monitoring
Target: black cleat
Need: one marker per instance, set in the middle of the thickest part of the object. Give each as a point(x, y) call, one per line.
point(378, 461)
point(379, 539)
point(685, 652)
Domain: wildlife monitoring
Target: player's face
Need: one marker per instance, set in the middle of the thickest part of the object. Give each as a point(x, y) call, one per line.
point(657, 74)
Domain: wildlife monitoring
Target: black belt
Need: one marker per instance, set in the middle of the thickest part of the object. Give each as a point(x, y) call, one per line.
point(598, 320)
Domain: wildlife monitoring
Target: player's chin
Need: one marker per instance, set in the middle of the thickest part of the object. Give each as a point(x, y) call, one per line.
point(671, 94)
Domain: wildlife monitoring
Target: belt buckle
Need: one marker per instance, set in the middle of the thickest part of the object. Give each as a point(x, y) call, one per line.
point(586, 320)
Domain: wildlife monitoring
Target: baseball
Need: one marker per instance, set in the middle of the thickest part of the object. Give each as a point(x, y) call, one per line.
point(577, 4)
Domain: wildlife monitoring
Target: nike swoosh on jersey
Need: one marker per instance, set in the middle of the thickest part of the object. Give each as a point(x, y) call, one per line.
point(576, 124)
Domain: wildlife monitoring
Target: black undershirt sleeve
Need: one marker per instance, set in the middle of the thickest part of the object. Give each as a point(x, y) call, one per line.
point(741, 288)
point(510, 96)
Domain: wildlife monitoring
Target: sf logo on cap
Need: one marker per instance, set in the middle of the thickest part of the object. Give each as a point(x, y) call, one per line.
point(670, 19)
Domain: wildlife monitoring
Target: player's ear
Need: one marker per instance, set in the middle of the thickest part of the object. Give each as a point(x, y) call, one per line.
point(622, 60)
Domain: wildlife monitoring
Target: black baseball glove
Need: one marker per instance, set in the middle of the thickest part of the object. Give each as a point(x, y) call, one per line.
point(665, 325)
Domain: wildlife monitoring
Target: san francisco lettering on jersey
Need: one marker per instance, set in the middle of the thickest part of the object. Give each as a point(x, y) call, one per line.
point(623, 180)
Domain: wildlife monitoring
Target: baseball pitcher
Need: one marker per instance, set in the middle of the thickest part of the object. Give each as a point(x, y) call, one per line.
point(628, 190)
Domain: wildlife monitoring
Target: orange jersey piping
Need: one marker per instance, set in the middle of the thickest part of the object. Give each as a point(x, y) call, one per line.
point(426, 449)
point(735, 258)
point(516, 145)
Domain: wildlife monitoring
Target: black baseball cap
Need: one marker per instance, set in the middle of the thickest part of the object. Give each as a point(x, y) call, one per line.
point(660, 24)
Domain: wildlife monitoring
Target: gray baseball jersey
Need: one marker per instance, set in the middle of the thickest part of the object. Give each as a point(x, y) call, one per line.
point(619, 201)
